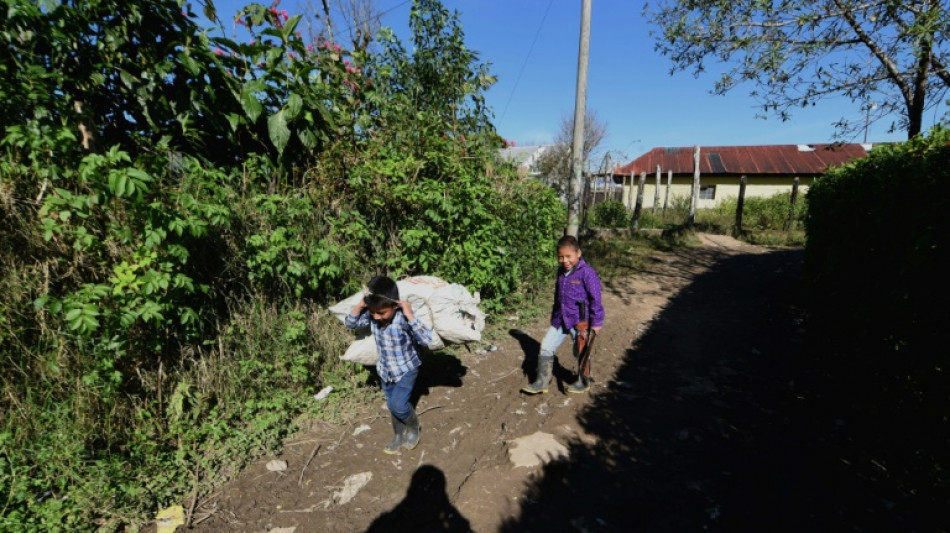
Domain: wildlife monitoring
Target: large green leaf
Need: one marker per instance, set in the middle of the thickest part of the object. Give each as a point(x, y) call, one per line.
point(294, 104)
point(278, 131)
point(251, 105)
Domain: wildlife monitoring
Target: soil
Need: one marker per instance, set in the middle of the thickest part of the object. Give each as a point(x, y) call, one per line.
point(695, 421)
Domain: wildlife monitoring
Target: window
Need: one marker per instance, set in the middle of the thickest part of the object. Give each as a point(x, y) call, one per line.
point(707, 192)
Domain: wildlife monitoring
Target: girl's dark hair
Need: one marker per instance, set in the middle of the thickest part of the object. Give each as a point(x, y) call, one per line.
point(568, 241)
point(383, 292)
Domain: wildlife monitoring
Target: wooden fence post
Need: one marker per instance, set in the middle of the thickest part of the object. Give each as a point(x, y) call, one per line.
point(586, 197)
point(694, 197)
point(656, 193)
point(739, 205)
point(666, 198)
point(639, 207)
point(791, 207)
point(628, 182)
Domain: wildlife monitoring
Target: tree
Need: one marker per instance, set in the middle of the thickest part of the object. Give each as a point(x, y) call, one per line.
point(796, 52)
point(555, 163)
point(361, 20)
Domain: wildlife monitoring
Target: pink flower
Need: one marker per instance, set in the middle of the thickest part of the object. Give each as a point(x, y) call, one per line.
point(283, 13)
point(336, 48)
point(310, 48)
point(239, 20)
point(218, 51)
point(292, 55)
point(252, 42)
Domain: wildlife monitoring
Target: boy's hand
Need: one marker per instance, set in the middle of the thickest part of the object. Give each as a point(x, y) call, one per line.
point(406, 310)
point(358, 308)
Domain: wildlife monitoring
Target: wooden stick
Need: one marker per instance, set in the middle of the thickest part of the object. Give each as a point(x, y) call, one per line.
point(305, 465)
point(194, 500)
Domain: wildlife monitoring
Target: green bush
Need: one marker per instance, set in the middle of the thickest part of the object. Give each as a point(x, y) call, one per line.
point(161, 288)
point(611, 214)
point(877, 240)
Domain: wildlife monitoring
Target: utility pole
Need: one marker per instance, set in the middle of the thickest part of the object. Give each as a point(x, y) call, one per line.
point(580, 113)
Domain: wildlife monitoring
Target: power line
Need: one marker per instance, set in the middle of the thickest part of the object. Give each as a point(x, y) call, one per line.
point(525, 64)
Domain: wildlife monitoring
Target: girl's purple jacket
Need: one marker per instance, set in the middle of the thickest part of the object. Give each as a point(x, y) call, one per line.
point(581, 284)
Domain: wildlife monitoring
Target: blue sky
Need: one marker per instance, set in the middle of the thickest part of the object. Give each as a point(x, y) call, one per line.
point(629, 86)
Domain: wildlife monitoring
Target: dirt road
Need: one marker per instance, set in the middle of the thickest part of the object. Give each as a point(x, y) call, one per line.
point(690, 425)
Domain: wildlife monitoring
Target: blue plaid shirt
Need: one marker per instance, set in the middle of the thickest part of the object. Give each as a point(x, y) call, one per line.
point(396, 343)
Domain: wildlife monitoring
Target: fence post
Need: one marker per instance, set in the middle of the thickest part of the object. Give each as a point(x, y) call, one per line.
point(791, 207)
point(639, 208)
point(586, 196)
point(666, 198)
point(656, 193)
point(739, 205)
point(628, 190)
point(694, 197)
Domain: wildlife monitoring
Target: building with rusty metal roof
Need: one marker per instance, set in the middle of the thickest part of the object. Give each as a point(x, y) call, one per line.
point(769, 169)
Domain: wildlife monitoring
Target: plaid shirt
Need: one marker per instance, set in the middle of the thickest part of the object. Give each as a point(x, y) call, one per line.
point(396, 343)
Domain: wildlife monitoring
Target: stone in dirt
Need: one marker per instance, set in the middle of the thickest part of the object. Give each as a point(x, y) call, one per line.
point(535, 449)
point(351, 486)
point(277, 465)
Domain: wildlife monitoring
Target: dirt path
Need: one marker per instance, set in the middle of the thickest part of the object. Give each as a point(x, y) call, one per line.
point(681, 432)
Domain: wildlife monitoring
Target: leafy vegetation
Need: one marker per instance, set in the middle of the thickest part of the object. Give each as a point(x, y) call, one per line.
point(177, 208)
point(764, 218)
point(876, 235)
point(611, 214)
point(874, 264)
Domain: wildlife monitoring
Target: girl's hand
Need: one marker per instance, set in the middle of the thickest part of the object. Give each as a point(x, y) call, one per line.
point(406, 310)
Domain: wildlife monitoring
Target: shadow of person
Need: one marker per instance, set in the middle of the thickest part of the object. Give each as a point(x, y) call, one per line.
point(426, 508)
point(439, 369)
point(529, 366)
point(531, 349)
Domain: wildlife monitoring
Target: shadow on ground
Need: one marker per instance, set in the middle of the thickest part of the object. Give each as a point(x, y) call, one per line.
point(708, 428)
point(425, 509)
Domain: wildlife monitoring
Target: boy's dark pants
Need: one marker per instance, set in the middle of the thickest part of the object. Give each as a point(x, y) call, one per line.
point(397, 395)
point(405, 422)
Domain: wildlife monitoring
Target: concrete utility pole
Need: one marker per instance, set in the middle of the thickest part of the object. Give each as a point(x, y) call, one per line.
point(580, 112)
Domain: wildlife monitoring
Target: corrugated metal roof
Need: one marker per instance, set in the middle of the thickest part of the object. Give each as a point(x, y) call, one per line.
point(733, 160)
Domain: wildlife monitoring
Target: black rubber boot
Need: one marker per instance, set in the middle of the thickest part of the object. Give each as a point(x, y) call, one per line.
point(399, 428)
point(545, 369)
point(413, 432)
point(580, 386)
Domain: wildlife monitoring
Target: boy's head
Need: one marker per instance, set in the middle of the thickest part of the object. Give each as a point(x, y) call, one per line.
point(383, 298)
point(568, 252)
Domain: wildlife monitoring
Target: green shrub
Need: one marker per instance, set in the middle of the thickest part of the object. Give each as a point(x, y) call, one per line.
point(611, 214)
point(161, 290)
point(877, 238)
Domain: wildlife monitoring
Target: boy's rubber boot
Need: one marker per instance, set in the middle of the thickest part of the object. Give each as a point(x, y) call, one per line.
point(545, 369)
point(413, 432)
point(399, 428)
point(580, 386)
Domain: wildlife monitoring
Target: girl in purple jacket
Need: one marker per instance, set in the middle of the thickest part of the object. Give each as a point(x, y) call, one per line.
point(577, 291)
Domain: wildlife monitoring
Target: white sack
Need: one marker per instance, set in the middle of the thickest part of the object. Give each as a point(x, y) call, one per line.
point(448, 309)
point(456, 314)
